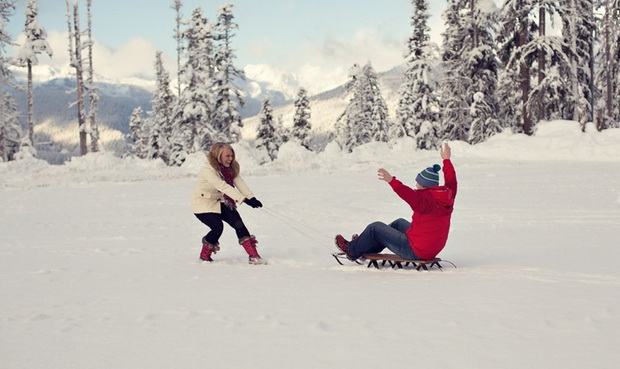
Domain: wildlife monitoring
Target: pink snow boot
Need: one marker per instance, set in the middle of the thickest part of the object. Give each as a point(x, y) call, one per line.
point(208, 249)
point(249, 244)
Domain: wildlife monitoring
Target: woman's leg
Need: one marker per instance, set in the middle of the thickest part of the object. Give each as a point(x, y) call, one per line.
point(233, 218)
point(214, 222)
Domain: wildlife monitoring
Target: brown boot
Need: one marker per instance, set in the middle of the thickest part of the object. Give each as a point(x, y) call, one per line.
point(249, 244)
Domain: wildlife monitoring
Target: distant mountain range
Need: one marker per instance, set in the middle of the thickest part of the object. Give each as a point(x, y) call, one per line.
point(53, 102)
point(55, 116)
point(53, 99)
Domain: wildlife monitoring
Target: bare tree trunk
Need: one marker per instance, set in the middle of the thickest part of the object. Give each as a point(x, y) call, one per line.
point(178, 36)
point(30, 105)
point(524, 73)
point(476, 35)
point(609, 99)
point(80, 81)
point(92, 91)
point(591, 62)
point(542, 61)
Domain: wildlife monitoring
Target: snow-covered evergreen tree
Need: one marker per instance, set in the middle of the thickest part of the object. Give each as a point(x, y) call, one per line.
point(138, 134)
point(550, 74)
point(551, 90)
point(469, 88)
point(225, 118)
point(36, 43)
point(301, 119)
point(455, 119)
point(484, 108)
point(192, 129)
point(267, 138)
point(162, 113)
point(517, 57)
point(481, 67)
point(418, 107)
point(353, 112)
point(608, 74)
point(378, 113)
point(578, 30)
point(7, 7)
point(10, 131)
point(365, 118)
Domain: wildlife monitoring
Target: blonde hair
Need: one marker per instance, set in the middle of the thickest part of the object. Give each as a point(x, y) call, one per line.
point(215, 154)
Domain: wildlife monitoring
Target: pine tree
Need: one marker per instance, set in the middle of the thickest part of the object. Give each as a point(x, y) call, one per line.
point(225, 119)
point(470, 107)
point(578, 31)
point(192, 129)
point(365, 118)
point(517, 57)
point(378, 111)
point(484, 108)
point(7, 7)
point(549, 91)
point(481, 67)
point(353, 113)
point(418, 106)
point(301, 119)
point(455, 120)
point(564, 67)
point(36, 43)
point(138, 135)
point(10, 128)
point(10, 131)
point(266, 137)
point(608, 76)
point(162, 113)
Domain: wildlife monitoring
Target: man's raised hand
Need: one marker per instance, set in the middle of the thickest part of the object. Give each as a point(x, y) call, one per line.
point(384, 175)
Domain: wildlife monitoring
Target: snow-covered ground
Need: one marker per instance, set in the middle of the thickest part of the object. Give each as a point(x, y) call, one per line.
point(99, 263)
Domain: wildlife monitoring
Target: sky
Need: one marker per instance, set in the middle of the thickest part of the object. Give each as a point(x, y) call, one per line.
point(317, 41)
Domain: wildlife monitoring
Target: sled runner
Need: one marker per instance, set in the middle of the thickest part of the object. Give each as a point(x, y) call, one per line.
point(395, 261)
point(341, 256)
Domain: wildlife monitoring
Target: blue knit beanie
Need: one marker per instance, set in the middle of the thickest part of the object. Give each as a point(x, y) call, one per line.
point(429, 177)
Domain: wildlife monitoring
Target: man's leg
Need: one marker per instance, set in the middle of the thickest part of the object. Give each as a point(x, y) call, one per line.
point(375, 238)
point(401, 225)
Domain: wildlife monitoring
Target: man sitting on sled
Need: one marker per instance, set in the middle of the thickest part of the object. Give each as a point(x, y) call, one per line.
point(426, 235)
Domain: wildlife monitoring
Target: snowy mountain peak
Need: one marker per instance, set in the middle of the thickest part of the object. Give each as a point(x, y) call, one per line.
point(268, 77)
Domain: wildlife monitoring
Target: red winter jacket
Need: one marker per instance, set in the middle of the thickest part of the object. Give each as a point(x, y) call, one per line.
point(432, 209)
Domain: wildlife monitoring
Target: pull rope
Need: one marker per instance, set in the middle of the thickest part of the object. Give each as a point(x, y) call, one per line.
point(294, 224)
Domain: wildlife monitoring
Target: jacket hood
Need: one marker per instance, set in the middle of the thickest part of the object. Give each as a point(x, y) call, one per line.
point(442, 194)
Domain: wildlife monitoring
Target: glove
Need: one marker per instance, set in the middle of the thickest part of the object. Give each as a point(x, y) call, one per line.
point(253, 202)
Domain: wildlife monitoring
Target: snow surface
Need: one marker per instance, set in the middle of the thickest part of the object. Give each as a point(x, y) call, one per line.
point(99, 262)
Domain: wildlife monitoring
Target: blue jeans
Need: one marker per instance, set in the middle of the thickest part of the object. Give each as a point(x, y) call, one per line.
point(377, 236)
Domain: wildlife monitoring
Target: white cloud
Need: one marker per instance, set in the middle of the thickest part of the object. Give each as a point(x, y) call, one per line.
point(132, 61)
point(326, 65)
point(384, 51)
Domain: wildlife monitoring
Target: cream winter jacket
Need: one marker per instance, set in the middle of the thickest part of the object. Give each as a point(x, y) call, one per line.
point(207, 194)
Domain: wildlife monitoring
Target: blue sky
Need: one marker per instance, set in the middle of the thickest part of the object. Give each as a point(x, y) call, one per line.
point(314, 39)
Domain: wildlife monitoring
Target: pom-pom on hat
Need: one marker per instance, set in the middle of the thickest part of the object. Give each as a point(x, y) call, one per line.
point(429, 177)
